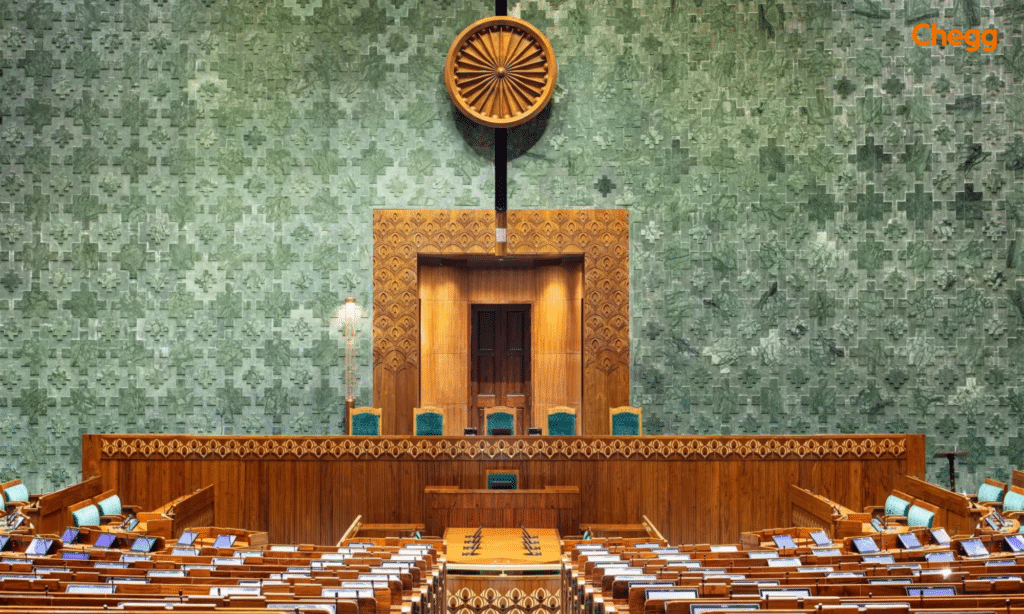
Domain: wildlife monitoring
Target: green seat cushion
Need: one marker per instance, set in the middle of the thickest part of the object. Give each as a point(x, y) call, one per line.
point(88, 516)
point(1013, 502)
point(561, 424)
point(366, 425)
point(18, 492)
point(896, 506)
point(111, 506)
point(500, 420)
point(919, 517)
point(625, 424)
point(429, 425)
point(988, 492)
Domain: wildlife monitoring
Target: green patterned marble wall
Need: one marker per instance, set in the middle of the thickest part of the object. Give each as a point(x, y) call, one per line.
point(824, 214)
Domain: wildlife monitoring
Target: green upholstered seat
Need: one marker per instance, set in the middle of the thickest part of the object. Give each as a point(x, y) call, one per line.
point(88, 516)
point(625, 424)
point(561, 424)
point(920, 517)
point(896, 506)
point(366, 425)
point(430, 424)
point(501, 420)
point(111, 506)
point(989, 493)
point(503, 481)
point(15, 494)
point(1013, 502)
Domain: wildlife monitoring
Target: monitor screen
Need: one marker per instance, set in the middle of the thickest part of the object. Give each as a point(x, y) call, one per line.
point(1015, 542)
point(224, 541)
point(130, 523)
point(701, 608)
point(878, 559)
point(930, 591)
point(14, 521)
point(674, 593)
point(993, 522)
point(73, 555)
point(821, 538)
point(973, 547)
point(939, 557)
point(877, 524)
point(39, 546)
point(469, 431)
point(187, 538)
point(776, 593)
point(783, 541)
point(4, 542)
point(143, 544)
point(105, 540)
point(826, 552)
point(940, 536)
point(864, 545)
point(69, 536)
point(909, 541)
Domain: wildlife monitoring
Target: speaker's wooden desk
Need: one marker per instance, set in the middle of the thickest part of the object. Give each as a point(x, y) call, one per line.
point(554, 507)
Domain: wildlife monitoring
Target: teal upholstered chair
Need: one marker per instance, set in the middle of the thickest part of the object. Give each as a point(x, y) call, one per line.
point(918, 516)
point(85, 514)
point(562, 421)
point(15, 495)
point(364, 422)
point(429, 421)
point(990, 493)
point(1013, 501)
point(500, 418)
point(627, 421)
point(896, 505)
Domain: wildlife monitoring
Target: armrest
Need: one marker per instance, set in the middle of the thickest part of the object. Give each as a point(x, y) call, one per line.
point(113, 518)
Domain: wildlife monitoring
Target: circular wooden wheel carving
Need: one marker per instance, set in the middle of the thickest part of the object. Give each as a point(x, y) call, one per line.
point(501, 71)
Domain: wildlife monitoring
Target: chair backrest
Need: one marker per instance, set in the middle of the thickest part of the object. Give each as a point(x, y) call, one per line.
point(627, 421)
point(991, 490)
point(562, 421)
point(918, 516)
point(500, 418)
point(896, 506)
point(502, 479)
point(364, 422)
point(85, 515)
point(1013, 501)
point(429, 421)
point(109, 504)
point(15, 492)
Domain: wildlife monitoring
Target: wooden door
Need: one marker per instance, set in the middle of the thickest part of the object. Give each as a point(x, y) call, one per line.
point(500, 369)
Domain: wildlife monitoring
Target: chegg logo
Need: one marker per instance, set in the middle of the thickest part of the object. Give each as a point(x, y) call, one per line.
point(928, 34)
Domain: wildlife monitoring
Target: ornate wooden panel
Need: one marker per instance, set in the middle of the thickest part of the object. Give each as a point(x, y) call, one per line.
point(400, 236)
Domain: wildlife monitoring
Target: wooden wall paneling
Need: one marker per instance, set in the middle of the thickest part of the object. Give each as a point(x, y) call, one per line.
point(307, 490)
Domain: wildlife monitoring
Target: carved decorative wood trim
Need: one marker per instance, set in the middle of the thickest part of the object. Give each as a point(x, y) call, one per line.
point(500, 71)
point(601, 236)
point(173, 447)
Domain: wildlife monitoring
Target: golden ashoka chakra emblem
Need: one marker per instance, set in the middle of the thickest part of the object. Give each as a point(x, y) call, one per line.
point(501, 71)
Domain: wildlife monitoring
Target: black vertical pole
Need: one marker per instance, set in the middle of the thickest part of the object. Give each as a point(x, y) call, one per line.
point(500, 167)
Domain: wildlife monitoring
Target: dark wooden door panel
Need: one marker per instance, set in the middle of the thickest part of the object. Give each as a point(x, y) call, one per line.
point(500, 367)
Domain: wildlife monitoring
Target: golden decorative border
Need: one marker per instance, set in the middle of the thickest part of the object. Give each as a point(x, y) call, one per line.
point(494, 601)
point(433, 448)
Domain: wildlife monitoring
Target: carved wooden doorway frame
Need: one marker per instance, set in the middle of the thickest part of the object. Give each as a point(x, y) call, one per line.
point(400, 236)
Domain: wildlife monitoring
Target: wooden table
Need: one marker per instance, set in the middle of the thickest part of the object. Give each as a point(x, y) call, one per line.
point(554, 507)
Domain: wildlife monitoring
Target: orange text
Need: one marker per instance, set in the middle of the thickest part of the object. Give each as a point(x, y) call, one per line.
point(972, 39)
